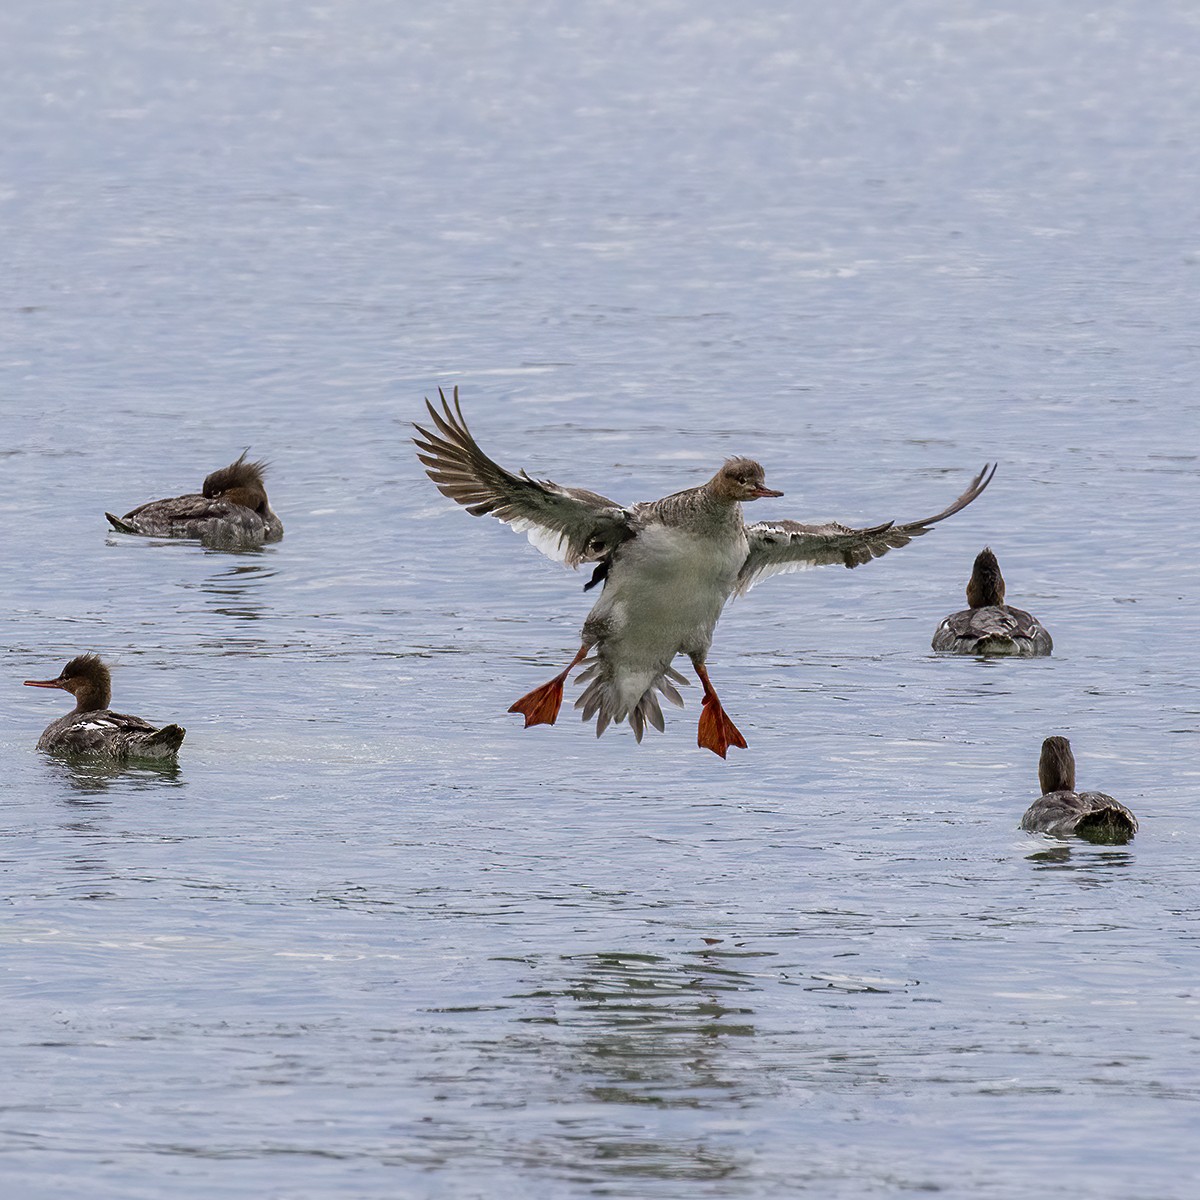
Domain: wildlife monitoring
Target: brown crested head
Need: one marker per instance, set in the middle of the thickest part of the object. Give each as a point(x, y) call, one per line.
point(87, 678)
point(241, 483)
point(985, 588)
point(1056, 767)
point(739, 480)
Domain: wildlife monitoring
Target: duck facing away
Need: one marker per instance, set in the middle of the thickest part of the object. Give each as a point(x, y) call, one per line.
point(1063, 811)
point(94, 729)
point(668, 567)
point(990, 626)
point(231, 511)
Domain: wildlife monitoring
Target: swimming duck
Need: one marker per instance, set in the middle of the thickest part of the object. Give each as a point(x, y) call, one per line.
point(230, 513)
point(1062, 810)
point(990, 626)
point(92, 728)
point(668, 567)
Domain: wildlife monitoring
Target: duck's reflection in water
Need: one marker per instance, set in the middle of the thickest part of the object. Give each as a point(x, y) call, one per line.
point(1089, 862)
point(91, 777)
point(237, 591)
point(644, 1031)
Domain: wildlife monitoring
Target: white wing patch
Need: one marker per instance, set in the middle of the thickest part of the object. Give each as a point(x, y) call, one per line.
point(765, 572)
point(551, 542)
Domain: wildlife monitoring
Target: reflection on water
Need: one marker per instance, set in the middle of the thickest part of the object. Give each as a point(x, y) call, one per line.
point(637, 1158)
point(239, 591)
point(95, 776)
point(648, 1031)
point(135, 541)
point(1084, 859)
point(858, 985)
point(628, 990)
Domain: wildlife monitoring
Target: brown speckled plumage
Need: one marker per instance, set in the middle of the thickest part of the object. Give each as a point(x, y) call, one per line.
point(1061, 811)
point(231, 512)
point(91, 728)
point(990, 626)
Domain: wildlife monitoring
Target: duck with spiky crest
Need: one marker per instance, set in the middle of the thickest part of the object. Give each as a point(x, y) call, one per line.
point(989, 626)
point(92, 728)
point(231, 512)
point(1062, 811)
point(668, 568)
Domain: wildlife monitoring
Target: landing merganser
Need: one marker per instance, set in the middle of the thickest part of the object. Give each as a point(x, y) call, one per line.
point(668, 567)
point(990, 626)
point(91, 728)
point(230, 513)
point(1062, 810)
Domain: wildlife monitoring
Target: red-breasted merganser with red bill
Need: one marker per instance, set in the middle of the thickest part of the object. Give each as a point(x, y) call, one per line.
point(668, 568)
point(92, 728)
point(231, 512)
point(1062, 811)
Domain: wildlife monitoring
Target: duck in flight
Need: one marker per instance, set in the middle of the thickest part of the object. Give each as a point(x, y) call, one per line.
point(231, 511)
point(92, 728)
point(1062, 811)
point(668, 567)
point(989, 626)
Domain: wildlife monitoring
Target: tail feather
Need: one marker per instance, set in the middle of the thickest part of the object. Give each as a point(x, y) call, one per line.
point(605, 699)
point(162, 743)
point(118, 524)
point(648, 706)
point(1114, 824)
point(637, 722)
point(671, 692)
point(996, 643)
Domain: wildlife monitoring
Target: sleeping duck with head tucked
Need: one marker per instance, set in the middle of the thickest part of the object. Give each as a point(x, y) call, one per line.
point(667, 566)
point(92, 728)
point(231, 511)
point(989, 626)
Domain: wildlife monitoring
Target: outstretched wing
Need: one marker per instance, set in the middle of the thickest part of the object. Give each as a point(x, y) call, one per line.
point(778, 546)
point(569, 525)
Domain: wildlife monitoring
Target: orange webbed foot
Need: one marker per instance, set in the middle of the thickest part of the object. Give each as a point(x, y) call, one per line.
point(540, 707)
point(717, 732)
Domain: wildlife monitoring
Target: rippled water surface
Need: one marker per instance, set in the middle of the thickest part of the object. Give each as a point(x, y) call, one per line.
point(372, 938)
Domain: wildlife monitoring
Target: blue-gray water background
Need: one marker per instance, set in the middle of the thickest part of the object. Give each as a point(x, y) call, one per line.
point(373, 939)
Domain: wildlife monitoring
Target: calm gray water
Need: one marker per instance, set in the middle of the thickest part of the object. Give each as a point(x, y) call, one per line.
point(372, 938)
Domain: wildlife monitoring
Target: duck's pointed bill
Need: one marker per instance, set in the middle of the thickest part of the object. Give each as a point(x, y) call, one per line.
point(761, 493)
point(51, 683)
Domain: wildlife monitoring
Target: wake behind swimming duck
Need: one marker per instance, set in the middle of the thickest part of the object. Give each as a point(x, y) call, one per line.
point(231, 512)
point(668, 568)
point(92, 728)
point(1062, 811)
point(989, 626)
